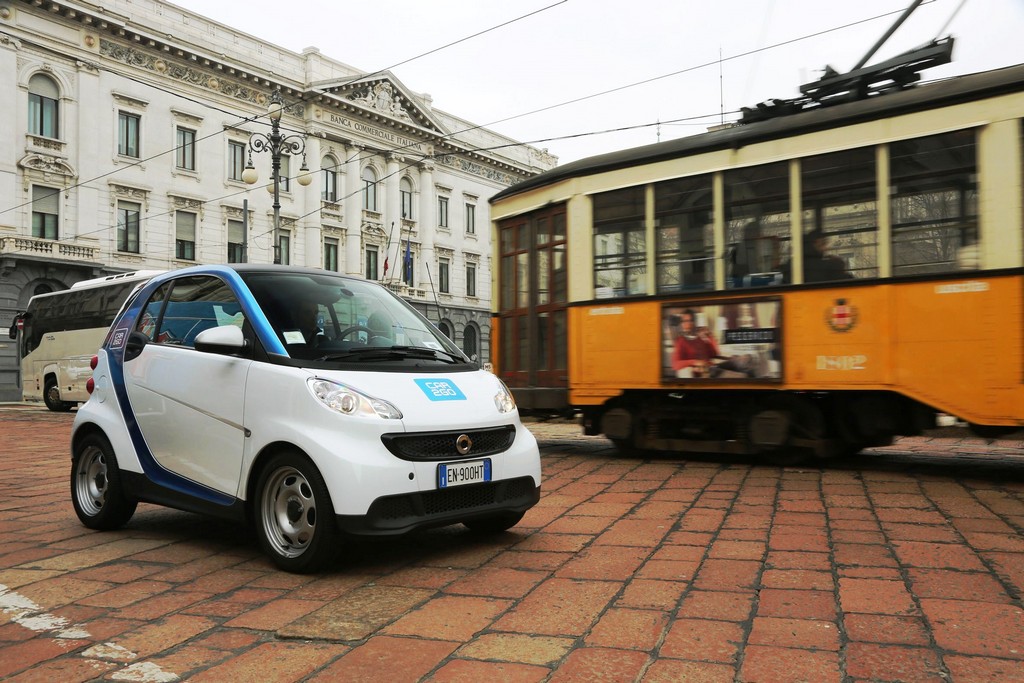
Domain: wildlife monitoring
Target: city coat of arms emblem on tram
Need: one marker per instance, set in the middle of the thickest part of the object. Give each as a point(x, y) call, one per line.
point(841, 317)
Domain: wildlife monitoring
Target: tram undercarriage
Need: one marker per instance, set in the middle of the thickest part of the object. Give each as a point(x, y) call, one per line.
point(785, 427)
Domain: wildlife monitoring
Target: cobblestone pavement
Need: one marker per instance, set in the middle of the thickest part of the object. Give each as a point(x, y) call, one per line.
point(906, 564)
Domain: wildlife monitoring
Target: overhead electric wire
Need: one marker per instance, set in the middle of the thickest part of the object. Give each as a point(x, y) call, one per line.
point(450, 136)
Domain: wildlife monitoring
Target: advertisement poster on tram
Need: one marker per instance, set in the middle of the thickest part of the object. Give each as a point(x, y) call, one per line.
point(738, 340)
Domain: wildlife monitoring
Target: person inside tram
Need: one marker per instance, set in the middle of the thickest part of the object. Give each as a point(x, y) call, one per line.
point(818, 265)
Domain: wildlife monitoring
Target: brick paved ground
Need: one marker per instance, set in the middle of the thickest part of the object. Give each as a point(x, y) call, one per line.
point(904, 565)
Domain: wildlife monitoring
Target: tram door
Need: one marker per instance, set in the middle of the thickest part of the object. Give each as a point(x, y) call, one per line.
point(533, 291)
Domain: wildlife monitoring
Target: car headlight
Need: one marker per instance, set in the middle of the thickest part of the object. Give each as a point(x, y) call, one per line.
point(348, 401)
point(503, 400)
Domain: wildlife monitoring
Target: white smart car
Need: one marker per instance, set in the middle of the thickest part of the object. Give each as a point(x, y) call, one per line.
point(308, 403)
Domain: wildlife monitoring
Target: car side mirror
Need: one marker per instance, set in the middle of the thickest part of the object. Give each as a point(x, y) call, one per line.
point(133, 347)
point(226, 340)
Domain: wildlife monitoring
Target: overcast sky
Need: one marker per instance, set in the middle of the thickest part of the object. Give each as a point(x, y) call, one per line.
point(702, 60)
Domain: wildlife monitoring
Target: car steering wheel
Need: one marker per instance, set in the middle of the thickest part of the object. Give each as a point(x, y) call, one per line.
point(355, 328)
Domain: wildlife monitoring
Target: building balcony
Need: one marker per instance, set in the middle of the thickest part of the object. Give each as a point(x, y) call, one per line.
point(38, 144)
point(406, 292)
point(49, 249)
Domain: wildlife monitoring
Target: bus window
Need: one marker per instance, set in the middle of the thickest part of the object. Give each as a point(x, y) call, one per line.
point(684, 211)
point(757, 225)
point(934, 201)
point(620, 243)
point(840, 200)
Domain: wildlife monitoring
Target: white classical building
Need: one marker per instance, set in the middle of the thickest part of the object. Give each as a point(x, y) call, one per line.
point(128, 130)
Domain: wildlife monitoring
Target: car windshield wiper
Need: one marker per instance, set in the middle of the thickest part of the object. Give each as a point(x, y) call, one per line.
point(378, 353)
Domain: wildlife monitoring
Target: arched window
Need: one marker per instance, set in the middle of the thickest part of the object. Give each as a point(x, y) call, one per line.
point(329, 190)
point(446, 328)
point(369, 189)
point(469, 342)
point(405, 190)
point(43, 106)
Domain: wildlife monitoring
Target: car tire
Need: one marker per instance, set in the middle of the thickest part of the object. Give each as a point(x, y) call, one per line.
point(294, 515)
point(97, 492)
point(502, 521)
point(51, 397)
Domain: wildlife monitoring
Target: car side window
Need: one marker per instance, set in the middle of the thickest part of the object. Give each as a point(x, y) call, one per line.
point(195, 303)
point(151, 312)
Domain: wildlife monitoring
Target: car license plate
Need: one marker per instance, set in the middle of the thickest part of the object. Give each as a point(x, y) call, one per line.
point(459, 473)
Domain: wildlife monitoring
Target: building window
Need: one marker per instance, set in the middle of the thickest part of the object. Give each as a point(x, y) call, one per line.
point(236, 242)
point(442, 212)
point(405, 192)
point(236, 159)
point(329, 190)
point(369, 189)
point(469, 342)
point(43, 107)
point(45, 212)
point(185, 235)
point(470, 279)
point(128, 226)
point(442, 276)
point(128, 134)
point(331, 254)
point(371, 263)
point(185, 154)
point(470, 219)
point(446, 328)
point(286, 247)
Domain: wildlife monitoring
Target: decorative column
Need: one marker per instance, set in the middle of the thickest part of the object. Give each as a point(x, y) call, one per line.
point(312, 235)
point(427, 218)
point(393, 213)
point(353, 198)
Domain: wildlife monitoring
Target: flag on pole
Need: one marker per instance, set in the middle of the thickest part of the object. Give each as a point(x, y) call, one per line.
point(385, 266)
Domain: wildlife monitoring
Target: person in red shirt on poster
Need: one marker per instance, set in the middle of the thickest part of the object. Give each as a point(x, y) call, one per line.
point(697, 354)
point(695, 347)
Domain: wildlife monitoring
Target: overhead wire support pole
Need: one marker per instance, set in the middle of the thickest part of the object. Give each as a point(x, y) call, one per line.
point(892, 29)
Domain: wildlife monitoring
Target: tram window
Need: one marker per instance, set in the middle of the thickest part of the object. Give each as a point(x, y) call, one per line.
point(757, 224)
point(620, 243)
point(684, 234)
point(840, 201)
point(935, 202)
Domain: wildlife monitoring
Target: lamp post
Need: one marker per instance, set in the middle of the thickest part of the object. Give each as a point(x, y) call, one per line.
point(277, 144)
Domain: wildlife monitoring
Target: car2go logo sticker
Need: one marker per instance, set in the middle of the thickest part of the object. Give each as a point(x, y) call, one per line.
point(440, 389)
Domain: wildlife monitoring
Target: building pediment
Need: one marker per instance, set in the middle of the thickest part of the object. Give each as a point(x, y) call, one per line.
point(384, 95)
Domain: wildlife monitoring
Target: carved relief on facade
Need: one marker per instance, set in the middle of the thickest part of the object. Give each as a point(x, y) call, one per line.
point(381, 96)
point(181, 203)
point(48, 167)
point(119, 191)
point(190, 75)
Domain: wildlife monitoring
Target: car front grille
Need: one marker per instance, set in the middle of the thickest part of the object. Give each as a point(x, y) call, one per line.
point(446, 501)
point(427, 446)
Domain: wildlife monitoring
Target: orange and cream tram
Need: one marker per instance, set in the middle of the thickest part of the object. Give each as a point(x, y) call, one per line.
point(810, 283)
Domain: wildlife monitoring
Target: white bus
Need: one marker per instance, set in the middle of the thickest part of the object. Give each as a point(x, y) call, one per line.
point(60, 332)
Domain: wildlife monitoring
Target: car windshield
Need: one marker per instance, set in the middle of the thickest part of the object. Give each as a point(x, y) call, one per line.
point(329, 318)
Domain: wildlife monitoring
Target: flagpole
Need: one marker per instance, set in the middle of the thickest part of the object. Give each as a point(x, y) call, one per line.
point(387, 250)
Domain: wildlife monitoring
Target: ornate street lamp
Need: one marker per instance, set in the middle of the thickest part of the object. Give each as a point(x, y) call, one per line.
point(276, 144)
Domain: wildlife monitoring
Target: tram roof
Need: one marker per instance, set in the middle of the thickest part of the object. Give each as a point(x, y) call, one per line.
point(923, 97)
